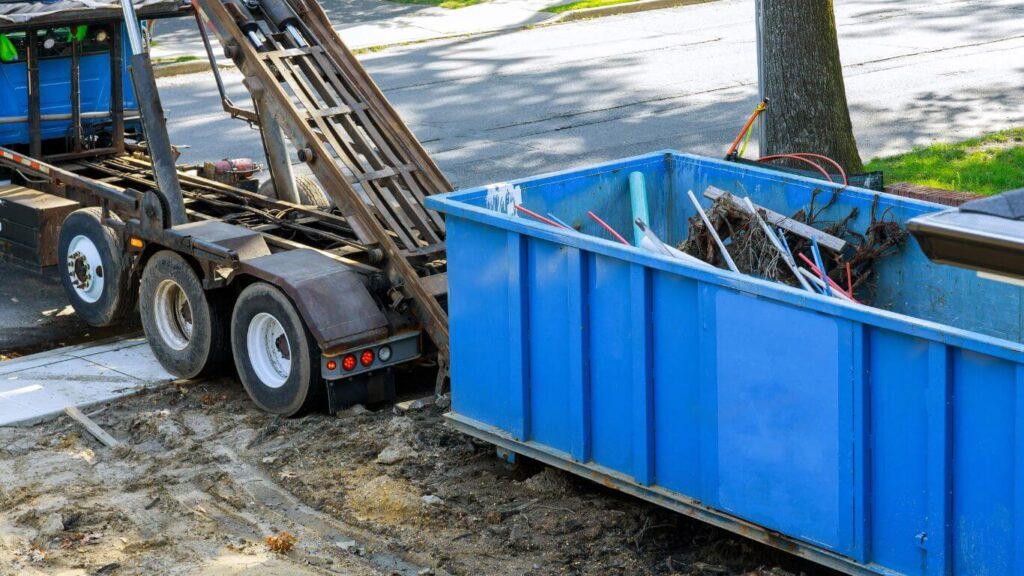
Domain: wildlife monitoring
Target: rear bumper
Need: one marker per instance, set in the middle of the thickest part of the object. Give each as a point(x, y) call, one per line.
point(385, 353)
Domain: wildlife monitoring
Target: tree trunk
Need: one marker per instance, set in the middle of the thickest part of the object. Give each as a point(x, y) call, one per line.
point(807, 110)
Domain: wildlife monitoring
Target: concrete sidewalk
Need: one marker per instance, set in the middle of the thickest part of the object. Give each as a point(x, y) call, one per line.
point(432, 23)
point(377, 23)
point(38, 387)
point(374, 24)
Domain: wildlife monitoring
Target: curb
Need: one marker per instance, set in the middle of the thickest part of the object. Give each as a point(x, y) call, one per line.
point(203, 65)
point(178, 68)
point(626, 8)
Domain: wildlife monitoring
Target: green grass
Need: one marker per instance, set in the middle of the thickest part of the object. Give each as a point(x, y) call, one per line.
point(582, 4)
point(176, 59)
point(453, 4)
point(986, 165)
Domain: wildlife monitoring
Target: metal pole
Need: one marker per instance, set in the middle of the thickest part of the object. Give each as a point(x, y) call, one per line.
point(153, 120)
point(276, 150)
point(116, 88)
point(76, 96)
point(762, 132)
point(35, 147)
point(131, 24)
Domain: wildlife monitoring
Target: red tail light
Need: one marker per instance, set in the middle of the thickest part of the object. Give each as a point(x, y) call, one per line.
point(332, 365)
point(349, 362)
point(366, 357)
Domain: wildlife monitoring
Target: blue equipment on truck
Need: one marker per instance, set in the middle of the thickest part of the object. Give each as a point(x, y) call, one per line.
point(873, 440)
point(55, 81)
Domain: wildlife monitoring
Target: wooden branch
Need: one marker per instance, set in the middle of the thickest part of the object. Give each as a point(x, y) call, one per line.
point(799, 228)
point(92, 427)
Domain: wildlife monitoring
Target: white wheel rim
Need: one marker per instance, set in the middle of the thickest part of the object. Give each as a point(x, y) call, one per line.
point(85, 269)
point(173, 314)
point(269, 350)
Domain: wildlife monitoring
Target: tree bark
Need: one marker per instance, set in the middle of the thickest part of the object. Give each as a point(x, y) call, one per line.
point(807, 110)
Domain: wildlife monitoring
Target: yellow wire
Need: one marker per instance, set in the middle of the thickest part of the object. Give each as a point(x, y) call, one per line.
point(746, 139)
point(760, 108)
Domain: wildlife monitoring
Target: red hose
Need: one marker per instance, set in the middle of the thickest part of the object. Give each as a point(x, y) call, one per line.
point(829, 160)
point(798, 159)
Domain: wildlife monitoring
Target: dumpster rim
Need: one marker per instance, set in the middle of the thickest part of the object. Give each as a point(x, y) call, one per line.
point(454, 204)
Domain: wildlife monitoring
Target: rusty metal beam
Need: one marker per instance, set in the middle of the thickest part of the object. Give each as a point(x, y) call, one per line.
point(264, 83)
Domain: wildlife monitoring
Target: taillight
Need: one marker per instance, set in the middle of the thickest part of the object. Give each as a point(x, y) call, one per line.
point(332, 365)
point(366, 358)
point(349, 362)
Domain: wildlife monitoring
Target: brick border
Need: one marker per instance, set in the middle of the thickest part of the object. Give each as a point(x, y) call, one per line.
point(937, 195)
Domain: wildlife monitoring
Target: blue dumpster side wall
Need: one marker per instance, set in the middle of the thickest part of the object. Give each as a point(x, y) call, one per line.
point(872, 441)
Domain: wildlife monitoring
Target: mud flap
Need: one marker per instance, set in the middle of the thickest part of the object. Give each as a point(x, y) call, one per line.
point(368, 390)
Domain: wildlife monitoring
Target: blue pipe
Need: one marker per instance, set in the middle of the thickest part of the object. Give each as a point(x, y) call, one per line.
point(821, 264)
point(638, 199)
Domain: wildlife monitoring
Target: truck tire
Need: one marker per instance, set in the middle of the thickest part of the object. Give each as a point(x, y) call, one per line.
point(94, 273)
point(309, 190)
point(276, 357)
point(185, 325)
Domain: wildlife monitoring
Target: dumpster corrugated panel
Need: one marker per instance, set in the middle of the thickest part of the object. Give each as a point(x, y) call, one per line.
point(867, 439)
point(55, 92)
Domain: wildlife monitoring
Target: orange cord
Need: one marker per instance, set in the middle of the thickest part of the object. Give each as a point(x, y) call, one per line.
point(731, 155)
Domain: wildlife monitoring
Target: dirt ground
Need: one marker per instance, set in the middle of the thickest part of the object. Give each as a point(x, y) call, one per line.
point(204, 479)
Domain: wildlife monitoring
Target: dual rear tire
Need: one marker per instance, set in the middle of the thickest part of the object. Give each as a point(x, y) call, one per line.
point(277, 358)
point(196, 333)
point(187, 327)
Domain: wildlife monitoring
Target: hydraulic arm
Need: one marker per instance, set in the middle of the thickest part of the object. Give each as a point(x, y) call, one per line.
point(371, 165)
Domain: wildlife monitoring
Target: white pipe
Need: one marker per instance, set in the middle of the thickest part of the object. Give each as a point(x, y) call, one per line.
point(786, 256)
point(714, 234)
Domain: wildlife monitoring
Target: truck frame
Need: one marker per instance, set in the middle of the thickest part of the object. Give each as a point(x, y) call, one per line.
point(311, 290)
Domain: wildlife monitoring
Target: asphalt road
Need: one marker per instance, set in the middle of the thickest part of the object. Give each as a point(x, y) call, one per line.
point(501, 106)
point(35, 315)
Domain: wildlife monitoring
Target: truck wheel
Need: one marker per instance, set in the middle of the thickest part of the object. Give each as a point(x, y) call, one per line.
point(276, 357)
point(185, 325)
point(94, 275)
point(309, 189)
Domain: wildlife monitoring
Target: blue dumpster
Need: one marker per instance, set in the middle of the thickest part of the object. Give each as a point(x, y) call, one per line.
point(884, 440)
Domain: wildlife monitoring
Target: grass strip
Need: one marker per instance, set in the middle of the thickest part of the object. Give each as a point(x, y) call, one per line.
point(986, 165)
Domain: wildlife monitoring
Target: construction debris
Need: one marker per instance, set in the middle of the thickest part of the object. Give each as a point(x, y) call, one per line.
point(775, 219)
point(92, 427)
point(417, 404)
point(753, 240)
point(841, 259)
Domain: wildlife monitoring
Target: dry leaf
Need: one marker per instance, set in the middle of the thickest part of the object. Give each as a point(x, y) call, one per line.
point(282, 543)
